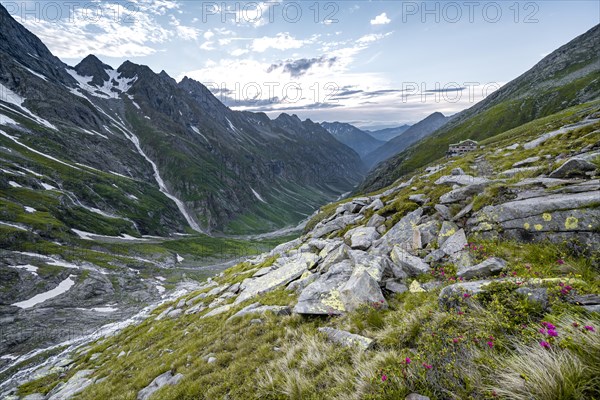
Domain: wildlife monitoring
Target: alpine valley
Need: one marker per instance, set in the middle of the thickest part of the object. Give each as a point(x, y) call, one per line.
point(156, 244)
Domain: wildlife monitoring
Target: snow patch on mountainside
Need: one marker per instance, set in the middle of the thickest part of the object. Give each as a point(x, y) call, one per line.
point(62, 287)
point(258, 196)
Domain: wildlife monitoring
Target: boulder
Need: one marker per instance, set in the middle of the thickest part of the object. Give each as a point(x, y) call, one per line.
point(526, 161)
point(574, 167)
point(334, 225)
point(428, 232)
point(396, 287)
point(162, 380)
point(362, 237)
point(455, 243)
point(306, 279)
point(448, 229)
point(461, 180)
point(462, 193)
point(435, 255)
point(322, 297)
point(448, 295)
point(443, 211)
point(293, 269)
point(347, 339)
point(218, 310)
point(257, 308)
point(489, 267)
point(361, 289)
point(372, 264)
point(518, 171)
point(376, 221)
point(402, 232)
point(457, 171)
point(376, 205)
point(535, 295)
point(419, 198)
point(340, 253)
point(464, 212)
point(543, 216)
point(411, 264)
point(76, 384)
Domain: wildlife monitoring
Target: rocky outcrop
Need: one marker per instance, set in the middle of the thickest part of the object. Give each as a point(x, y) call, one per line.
point(162, 380)
point(484, 269)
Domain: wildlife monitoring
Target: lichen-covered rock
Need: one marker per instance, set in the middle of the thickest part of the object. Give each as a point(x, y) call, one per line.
point(448, 229)
point(455, 243)
point(292, 268)
point(322, 297)
point(334, 225)
point(376, 221)
point(401, 233)
point(361, 289)
point(374, 265)
point(484, 269)
point(347, 339)
point(396, 287)
point(411, 264)
point(449, 295)
point(362, 237)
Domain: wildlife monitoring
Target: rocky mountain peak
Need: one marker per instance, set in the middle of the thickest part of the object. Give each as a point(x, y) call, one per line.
point(92, 66)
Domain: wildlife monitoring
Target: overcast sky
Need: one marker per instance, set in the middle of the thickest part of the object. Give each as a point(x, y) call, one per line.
point(370, 63)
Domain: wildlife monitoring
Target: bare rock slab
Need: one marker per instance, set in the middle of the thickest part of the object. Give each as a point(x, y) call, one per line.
point(347, 339)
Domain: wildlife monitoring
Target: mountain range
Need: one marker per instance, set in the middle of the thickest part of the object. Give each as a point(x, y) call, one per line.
point(358, 140)
point(210, 168)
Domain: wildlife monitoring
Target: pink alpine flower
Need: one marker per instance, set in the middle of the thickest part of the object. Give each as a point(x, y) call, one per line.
point(490, 344)
point(427, 366)
point(383, 377)
point(407, 360)
point(552, 333)
point(589, 328)
point(545, 344)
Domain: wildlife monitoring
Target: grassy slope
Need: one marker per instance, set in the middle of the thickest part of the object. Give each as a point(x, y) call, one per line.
point(470, 352)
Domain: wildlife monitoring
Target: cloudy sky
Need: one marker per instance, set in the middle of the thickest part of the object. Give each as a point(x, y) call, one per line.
point(371, 63)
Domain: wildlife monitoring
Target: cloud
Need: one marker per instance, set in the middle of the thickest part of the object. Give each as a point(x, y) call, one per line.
point(281, 41)
point(239, 52)
point(134, 34)
point(381, 19)
point(297, 68)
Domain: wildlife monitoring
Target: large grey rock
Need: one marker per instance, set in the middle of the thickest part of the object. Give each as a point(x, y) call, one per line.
point(573, 167)
point(376, 205)
point(450, 295)
point(411, 264)
point(162, 380)
point(334, 225)
point(464, 212)
point(77, 384)
point(402, 232)
point(455, 243)
point(526, 161)
point(462, 180)
point(361, 237)
point(520, 171)
point(419, 198)
point(484, 269)
point(218, 310)
point(306, 279)
point(374, 265)
point(396, 287)
point(339, 254)
point(554, 217)
point(428, 232)
point(457, 171)
point(448, 229)
point(347, 339)
point(535, 295)
point(322, 297)
point(444, 211)
point(293, 268)
point(257, 308)
point(361, 289)
point(462, 193)
point(376, 221)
